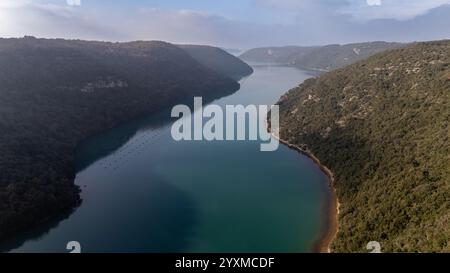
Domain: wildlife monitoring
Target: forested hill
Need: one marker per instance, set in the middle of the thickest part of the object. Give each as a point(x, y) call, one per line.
point(382, 126)
point(219, 60)
point(325, 58)
point(56, 93)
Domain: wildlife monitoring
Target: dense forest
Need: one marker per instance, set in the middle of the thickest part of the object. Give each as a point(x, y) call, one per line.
point(323, 58)
point(219, 60)
point(56, 93)
point(382, 126)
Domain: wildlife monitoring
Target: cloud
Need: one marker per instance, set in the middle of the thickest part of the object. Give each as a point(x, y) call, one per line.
point(74, 2)
point(187, 26)
point(374, 2)
point(22, 17)
point(362, 10)
point(314, 22)
point(193, 27)
point(366, 10)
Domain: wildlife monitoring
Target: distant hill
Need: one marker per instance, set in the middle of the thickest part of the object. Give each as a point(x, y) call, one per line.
point(324, 58)
point(382, 126)
point(276, 55)
point(219, 60)
point(56, 93)
point(233, 51)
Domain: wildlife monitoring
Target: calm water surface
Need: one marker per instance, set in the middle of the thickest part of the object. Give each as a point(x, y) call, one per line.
point(144, 192)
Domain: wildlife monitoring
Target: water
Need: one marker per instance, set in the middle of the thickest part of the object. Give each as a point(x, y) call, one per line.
point(144, 192)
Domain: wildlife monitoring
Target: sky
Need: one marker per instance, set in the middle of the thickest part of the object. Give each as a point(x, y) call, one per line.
point(229, 23)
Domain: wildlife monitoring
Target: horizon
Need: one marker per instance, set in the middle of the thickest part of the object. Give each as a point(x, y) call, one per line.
point(221, 47)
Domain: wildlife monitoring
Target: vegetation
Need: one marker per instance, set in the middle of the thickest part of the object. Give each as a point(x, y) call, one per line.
point(56, 93)
point(219, 61)
point(382, 126)
point(323, 58)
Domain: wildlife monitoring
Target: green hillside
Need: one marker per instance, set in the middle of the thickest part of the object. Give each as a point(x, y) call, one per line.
point(56, 93)
point(382, 126)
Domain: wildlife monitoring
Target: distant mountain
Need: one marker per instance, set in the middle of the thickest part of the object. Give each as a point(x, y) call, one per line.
point(324, 58)
point(276, 55)
point(219, 60)
point(383, 127)
point(56, 93)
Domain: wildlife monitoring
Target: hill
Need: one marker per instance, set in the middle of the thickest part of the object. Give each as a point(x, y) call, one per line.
point(219, 60)
point(56, 93)
point(324, 58)
point(276, 55)
point(382, 126)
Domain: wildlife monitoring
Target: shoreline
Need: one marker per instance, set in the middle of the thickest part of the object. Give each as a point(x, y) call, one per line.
point(323, 244)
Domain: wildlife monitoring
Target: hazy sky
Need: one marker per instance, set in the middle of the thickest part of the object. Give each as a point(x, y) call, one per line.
point(229, 23)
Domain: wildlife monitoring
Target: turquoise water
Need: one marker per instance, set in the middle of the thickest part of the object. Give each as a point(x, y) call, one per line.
point(144, 192)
